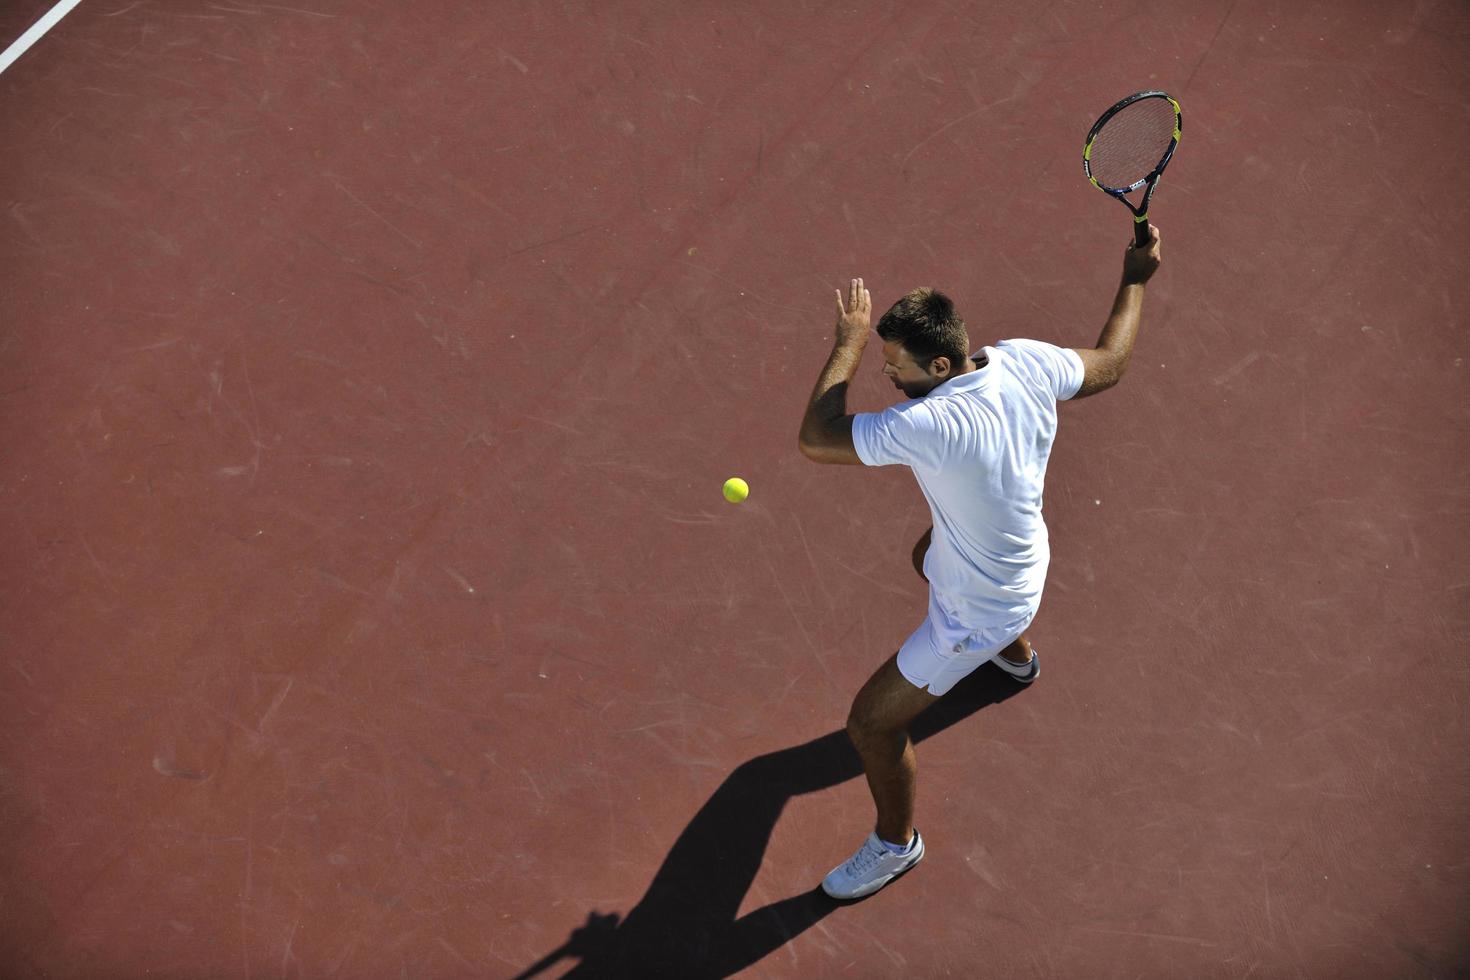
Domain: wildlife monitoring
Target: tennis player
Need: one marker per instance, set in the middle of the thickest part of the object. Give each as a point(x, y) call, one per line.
point(977, 431)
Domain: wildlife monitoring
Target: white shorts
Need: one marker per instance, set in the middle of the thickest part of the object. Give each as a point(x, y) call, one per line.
point(942, 651)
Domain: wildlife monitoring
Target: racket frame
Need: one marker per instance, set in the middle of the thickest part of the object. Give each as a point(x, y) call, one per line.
point(1140, 213)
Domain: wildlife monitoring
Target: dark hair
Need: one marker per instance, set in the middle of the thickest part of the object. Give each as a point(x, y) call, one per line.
point(926, 324)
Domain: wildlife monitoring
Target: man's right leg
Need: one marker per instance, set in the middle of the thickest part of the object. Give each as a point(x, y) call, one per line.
point(878, 726)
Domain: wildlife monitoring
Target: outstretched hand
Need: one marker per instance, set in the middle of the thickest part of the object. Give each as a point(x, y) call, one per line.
point(854, 319)
point(1139, 264)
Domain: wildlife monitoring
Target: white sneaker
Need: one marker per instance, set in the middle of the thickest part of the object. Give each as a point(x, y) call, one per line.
point(872, 867)
point(1025, 673)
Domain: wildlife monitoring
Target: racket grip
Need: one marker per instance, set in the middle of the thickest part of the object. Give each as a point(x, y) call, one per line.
point(1140, 232)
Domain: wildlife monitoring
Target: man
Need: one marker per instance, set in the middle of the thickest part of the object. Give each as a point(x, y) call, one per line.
point(977, 432)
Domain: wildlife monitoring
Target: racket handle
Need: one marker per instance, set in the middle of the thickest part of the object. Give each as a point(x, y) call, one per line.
point(1140, 232)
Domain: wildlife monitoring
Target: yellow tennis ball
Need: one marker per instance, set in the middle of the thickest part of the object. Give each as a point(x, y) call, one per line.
point(736, 490)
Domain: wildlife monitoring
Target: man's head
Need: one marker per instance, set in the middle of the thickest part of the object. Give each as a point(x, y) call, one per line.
point(924, 342)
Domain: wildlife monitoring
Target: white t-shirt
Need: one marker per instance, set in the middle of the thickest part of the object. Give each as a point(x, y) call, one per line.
point(978, 445)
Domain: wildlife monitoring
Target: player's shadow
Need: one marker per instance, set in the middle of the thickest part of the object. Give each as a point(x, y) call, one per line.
point(685, 925)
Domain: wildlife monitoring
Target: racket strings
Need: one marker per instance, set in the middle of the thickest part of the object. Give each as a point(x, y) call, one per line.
point(1131, 144)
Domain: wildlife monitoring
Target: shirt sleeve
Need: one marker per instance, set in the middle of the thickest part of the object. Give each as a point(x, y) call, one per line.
point(898, 434)
point(1058, 368)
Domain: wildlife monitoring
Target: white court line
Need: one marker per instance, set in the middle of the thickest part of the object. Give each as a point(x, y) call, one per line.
point(33, 35)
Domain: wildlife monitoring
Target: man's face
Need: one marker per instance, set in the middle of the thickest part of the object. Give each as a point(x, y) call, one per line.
point(907, 376)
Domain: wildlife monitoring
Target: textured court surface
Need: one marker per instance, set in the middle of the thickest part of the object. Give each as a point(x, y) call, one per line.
point(368, 375)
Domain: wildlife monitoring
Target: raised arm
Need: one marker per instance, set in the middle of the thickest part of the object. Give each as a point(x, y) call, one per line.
point(826, 428)
point(1103, 365)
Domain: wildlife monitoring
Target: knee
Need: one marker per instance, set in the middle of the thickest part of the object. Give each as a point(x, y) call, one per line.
point(865, 727)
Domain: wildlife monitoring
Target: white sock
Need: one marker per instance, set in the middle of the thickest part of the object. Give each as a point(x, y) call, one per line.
point(900, 848)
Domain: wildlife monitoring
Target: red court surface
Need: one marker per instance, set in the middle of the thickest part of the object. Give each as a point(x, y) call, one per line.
point(368, 376)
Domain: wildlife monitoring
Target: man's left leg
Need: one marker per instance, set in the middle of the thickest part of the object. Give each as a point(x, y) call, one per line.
point(1019, 651)
point(921, 548)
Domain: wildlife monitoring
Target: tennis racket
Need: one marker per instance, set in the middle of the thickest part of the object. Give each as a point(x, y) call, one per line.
point(1129, 147)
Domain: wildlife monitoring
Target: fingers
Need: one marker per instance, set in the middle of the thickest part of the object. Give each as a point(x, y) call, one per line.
point(858, 298)
point(1152, 245)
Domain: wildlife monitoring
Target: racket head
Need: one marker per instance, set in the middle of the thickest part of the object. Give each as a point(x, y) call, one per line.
point(1132, 143)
